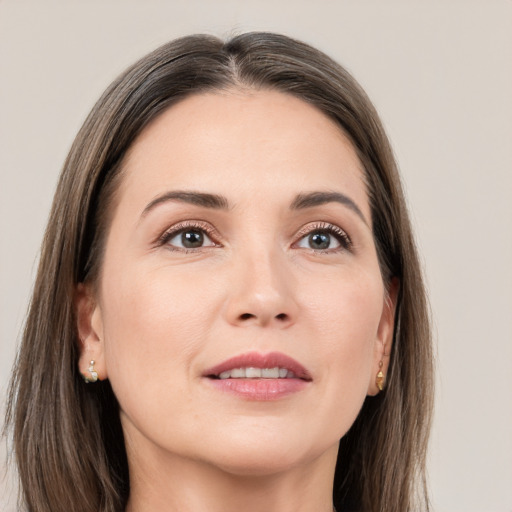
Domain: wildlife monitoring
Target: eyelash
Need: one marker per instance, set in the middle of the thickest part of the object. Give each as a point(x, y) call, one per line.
point(331, 229)
point(175, 230)
point(324, 227)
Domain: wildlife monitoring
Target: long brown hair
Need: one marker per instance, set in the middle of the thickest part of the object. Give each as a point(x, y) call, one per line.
point(68, 440)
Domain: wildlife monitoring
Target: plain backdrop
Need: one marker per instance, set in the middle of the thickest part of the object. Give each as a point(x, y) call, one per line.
point(439, 73)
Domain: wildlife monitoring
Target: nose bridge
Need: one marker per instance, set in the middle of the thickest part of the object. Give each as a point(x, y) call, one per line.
point(263, 287)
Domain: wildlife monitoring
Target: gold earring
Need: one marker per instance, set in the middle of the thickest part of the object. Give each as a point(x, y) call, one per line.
point(379, 379)
point(93, 372)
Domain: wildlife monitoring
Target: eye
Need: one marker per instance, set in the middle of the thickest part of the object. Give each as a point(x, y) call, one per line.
point(188, 237)
point(319, 240)
point(323, 237)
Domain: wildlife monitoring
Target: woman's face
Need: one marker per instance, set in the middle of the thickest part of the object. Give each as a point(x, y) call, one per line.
point(240, 251)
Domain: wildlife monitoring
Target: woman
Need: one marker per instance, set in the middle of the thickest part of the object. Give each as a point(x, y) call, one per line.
point(228, 286)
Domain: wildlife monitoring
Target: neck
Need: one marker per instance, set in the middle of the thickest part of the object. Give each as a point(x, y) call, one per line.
point(173, 484)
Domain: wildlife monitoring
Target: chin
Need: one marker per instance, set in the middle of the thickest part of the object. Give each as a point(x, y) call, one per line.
point(260, 465)
point(265, 456)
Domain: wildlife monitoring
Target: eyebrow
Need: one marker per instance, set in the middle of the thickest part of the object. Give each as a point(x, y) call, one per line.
point(218, 202)
point(312, 199)
point(205, 200)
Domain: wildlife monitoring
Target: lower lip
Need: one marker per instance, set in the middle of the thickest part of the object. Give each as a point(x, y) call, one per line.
point(260, 389)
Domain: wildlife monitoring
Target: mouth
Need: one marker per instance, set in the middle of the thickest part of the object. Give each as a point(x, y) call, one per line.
point(254, 365)
point(261, 377)
point(255, 373)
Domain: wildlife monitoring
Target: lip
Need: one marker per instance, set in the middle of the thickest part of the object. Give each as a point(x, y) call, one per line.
point(264, 389)
point(257, 360)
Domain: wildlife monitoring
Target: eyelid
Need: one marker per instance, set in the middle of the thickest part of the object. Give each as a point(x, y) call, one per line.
point(199, 225)
point(333, 229)
point(340, 234)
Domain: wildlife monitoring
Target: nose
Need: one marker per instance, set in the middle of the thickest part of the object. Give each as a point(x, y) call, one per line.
point(262, 292)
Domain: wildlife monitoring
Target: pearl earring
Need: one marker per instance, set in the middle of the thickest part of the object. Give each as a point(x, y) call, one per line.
point(93, 372)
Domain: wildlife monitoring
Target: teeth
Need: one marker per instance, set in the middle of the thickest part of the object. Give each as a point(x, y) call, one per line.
point(253, 373)
point(257, 373)
point(270, 373)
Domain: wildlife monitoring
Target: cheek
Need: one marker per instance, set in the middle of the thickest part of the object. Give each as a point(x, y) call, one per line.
point(345, 320)
point(154, 324)
point(346, 311)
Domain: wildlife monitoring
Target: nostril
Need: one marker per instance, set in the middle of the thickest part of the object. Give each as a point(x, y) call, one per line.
point(244, 317)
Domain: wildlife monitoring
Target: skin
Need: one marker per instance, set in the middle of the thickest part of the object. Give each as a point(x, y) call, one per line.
point(161, 314)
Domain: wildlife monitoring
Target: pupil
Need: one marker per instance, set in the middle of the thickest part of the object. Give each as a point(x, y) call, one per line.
point(192, 239)
point(320, 240)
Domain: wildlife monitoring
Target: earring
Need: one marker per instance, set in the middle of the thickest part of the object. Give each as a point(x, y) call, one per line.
point(379, 379)
point(93, 372)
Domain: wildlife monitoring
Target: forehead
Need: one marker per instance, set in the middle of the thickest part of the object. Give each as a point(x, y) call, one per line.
point(262, 143)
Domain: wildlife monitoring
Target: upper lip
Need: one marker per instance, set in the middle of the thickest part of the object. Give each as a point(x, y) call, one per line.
point(258, 360)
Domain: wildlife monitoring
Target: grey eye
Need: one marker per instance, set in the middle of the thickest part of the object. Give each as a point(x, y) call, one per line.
point(190, 239)
point(319, 240)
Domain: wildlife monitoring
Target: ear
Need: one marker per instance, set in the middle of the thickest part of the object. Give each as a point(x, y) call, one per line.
point(90, 332)
point(384, 340)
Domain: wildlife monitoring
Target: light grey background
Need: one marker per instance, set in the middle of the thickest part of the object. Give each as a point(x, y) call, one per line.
point(440, 74)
